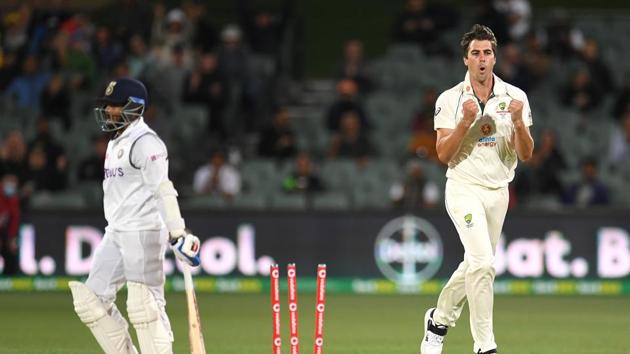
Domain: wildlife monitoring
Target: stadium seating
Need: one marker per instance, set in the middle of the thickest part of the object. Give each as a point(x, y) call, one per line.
point(70, 200)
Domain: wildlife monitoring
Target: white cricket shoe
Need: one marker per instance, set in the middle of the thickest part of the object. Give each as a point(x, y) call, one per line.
point(433, 339)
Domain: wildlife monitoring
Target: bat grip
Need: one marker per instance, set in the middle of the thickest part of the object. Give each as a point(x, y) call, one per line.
point(188, 281)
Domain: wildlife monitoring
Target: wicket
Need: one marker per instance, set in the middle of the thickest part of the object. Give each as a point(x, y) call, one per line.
point(293, 308)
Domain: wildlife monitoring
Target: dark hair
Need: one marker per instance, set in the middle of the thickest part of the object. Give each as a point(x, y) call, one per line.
point(480, 33)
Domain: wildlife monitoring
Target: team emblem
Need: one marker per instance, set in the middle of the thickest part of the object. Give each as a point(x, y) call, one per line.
point(502, 106)
point(486, 129)
point(110, 88)
point(120, 153)
point(468, 220)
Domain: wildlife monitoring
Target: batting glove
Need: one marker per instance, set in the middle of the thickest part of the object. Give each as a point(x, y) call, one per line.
point(186, 249)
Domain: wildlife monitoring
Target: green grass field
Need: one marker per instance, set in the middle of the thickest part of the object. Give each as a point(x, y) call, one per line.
point(368, 324)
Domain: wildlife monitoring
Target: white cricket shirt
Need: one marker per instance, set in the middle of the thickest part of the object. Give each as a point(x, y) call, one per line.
point(136, 163)
point(487, 156)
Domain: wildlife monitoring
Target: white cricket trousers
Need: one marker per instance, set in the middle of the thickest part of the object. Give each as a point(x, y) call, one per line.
point(136, 256)
point(478, 214)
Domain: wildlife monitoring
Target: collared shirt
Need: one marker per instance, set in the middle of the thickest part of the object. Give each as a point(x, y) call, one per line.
point(229, 180)
point(136, 162)
point(487, 156)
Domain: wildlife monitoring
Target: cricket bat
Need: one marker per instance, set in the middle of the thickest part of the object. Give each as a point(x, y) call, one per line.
point(195, 336)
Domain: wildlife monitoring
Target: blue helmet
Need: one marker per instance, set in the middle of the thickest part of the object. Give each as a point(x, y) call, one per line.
point(130, 94)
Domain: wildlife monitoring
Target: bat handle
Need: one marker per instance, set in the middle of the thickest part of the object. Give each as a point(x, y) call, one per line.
point(188, 281)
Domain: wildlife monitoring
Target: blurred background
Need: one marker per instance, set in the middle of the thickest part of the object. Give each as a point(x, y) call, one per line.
point(306, 126)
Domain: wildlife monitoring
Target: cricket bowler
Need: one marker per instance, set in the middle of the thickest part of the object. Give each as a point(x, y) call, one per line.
point(143, 217)
point(482, 127)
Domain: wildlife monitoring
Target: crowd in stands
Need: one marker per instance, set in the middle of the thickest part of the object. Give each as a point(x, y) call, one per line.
point(52, 57)
point(527, 53)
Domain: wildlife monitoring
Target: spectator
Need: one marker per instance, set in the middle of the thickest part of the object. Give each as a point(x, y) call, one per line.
point(167, 79)
point(353, 66)
point(422, 143)
point(47, 21)
point(55, 101)
point(512, 69)
point(9, 221)
point(174, 75)
point(536, 60)
point(600, 73)
point(487, 14)
point(17, 25)
point(416, 191)
point(346, 102)
point(205, 37)
point(13, 154)
point(27, 88)
point(622, 101)
point(91, 168)
point(207, 85)
point(245, 88)
point(9, 69)
point(217, 178)
point(127, 18)
point(79, 30)
point(547, 165)
point(589, 191)
point(42, 177)
point(563, 39)
point(264, 31)
point(580, 92)
point(47, 162)
point(70, 52)
point(138, 58)
point(233, 55)
point(107, 51)
point(73, 57)
point(278, 140)
point(303, 179)
point(619, 152)
point(519, 17)
point(170, 31)
point(423, 23)
point(351, 140)
point(263, 28)
point(120, 70)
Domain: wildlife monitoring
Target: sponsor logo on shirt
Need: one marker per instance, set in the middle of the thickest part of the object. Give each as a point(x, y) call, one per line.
point(487, 141)
point(502, 109)
point(158, 156)
point(468, 219)
point(486, 129)
point(113, 172)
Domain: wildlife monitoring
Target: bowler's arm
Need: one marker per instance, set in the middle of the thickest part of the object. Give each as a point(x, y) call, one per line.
point(523, 141)
point(450, 140)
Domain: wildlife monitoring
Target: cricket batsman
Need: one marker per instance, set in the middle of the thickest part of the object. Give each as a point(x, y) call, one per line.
point(143, 217)
point(482, 129)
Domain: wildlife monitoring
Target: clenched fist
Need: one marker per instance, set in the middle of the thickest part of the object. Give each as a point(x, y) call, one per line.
point(516, 110)
point(470, 112)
